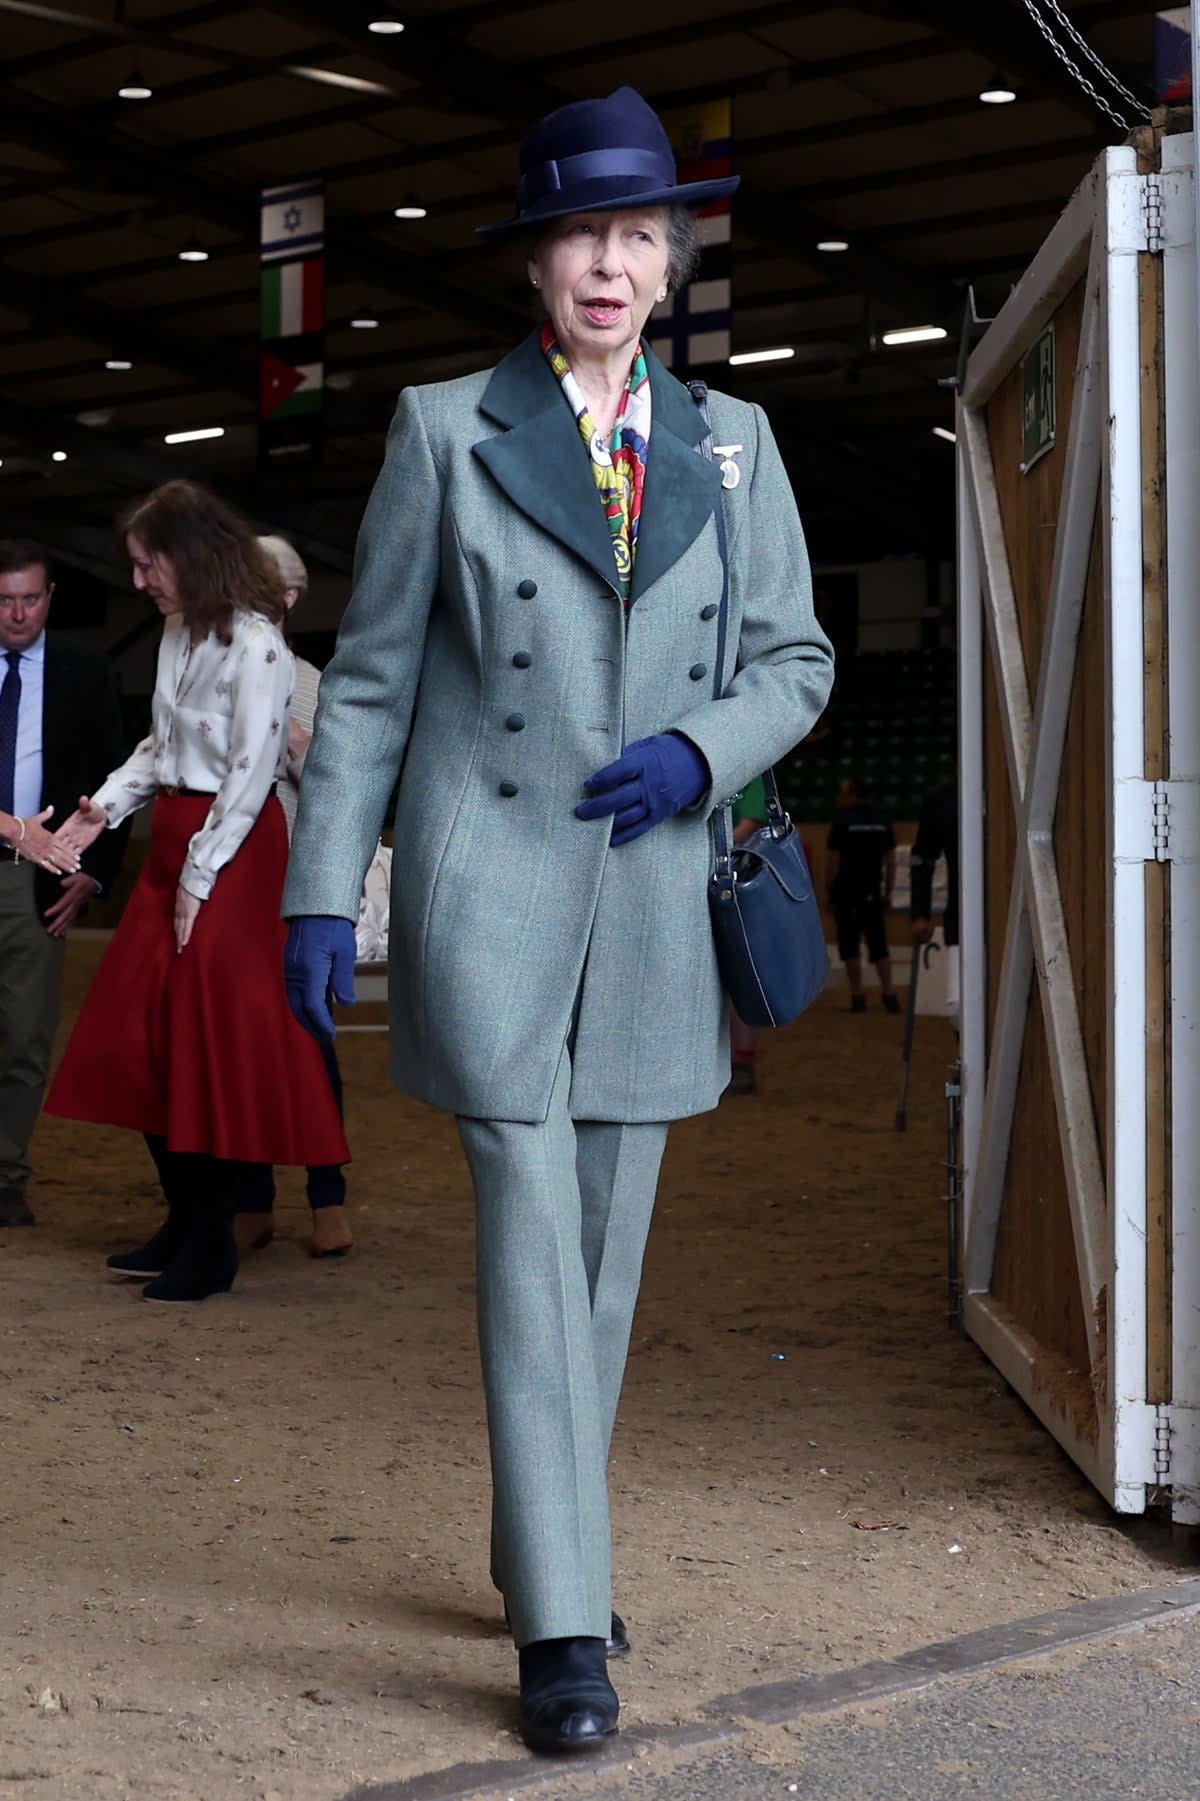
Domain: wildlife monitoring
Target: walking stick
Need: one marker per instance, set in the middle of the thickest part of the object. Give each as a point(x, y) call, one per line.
point(909, 1026)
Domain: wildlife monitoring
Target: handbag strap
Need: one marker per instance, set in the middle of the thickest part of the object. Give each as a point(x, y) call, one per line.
point(776, 816)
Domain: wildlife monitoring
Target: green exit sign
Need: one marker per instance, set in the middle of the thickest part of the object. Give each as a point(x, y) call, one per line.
point(1038, 423)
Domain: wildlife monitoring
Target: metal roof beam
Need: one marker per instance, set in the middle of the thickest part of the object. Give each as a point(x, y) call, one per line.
point(222, 368)
point(62, 54)
point(178, 178)
point(1004, 36)
point(134, 466)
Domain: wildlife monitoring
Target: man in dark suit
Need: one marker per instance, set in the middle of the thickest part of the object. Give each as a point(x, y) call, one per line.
point(60, 734)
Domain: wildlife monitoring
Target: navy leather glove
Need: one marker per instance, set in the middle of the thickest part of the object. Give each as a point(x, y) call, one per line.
point(655, 779)
point(319, 960)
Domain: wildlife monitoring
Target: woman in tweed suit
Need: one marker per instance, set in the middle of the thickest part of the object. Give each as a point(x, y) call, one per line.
point(530, 649)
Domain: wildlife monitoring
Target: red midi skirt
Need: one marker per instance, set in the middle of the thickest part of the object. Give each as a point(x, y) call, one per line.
point(200, 1045)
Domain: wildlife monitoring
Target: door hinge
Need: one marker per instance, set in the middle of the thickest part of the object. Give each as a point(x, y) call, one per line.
point(1152, 214)
point(1157, 822)
point(1163, 1430)
point(1161, 823)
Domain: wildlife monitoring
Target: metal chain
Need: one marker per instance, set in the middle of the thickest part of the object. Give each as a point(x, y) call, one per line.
point(1097, 62)
point(1044, 27)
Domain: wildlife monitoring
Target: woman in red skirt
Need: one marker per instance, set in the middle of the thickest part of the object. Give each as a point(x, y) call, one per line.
point(186, 1035)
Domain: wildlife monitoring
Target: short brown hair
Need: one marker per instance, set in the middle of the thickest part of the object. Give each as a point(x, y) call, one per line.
point(24, 553)
point(219, 564)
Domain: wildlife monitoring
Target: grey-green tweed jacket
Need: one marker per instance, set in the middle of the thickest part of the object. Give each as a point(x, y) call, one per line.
point(486, 660)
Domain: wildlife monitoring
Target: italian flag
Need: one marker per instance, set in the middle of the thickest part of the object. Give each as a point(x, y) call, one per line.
point(293, 298)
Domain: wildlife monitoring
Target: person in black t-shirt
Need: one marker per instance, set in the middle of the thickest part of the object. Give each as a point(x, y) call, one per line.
point(860, 869)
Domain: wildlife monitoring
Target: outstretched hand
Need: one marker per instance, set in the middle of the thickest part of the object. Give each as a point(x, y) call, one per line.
point(81, 830)
point(37, 845)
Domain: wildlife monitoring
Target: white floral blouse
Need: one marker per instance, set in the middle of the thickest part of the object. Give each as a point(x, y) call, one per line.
point(220, 719)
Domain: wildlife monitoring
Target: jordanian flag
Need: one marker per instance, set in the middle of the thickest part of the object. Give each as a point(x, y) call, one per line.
point(293, 298)
point(287, 389)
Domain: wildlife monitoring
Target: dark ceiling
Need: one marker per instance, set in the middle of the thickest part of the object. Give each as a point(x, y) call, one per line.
point(859, 121)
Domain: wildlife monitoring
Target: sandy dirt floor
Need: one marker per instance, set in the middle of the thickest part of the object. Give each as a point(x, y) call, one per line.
point(244, 1544)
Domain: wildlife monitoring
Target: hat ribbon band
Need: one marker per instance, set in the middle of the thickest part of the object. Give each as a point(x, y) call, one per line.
point(590, 165)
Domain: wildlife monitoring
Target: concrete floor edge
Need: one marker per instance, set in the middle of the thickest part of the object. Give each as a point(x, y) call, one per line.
point(778, 1702)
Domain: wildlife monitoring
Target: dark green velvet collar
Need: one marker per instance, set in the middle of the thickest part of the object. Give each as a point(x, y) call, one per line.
point(541, 465)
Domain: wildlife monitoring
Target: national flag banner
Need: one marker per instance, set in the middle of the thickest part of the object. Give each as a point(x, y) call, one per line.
point(293, 298)
point(291, 354)
point(1173, 56)
point(695, 327)
point(293, 221)
point(288, 389)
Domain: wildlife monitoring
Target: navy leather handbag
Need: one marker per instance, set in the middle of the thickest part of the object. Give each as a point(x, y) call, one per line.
point(767, 926)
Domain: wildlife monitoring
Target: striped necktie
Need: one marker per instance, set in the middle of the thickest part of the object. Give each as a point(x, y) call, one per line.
point(10, 707)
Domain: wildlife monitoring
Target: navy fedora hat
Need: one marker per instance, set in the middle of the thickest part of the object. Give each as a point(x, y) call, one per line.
point(596, 156)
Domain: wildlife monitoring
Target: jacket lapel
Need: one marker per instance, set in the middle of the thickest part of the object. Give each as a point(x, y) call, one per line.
point(540, 462)
point(541, 465)
point(55, 728)
point(683, 488)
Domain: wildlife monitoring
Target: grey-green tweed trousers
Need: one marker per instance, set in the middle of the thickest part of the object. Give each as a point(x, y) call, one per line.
point(563, 1212)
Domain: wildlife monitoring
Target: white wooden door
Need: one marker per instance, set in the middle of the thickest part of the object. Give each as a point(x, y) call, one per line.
point(1058, 820)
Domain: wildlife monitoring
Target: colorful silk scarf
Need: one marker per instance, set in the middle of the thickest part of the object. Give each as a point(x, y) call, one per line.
point(620, 468)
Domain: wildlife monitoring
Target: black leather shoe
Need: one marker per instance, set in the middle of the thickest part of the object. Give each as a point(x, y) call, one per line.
point(151, 1258)
point(568, 1703)
point(15, 1210)
point(206, 1264)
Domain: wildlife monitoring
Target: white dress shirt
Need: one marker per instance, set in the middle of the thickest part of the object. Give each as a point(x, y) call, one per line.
point(27, 770)
point(220, 718)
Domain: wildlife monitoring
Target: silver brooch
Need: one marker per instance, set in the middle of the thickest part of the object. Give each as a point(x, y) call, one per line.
point(731, 475)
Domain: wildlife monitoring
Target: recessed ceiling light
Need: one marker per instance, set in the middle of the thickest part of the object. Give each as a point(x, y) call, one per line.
point(58, 456)
point(97, 416)
point(762, 356)
point(997, 92)
point(940, 431)
point(193, 252)
point(385, 28)
point(194, 437)
point(833, 245)
point(411, 209)
point(135, 88)
point(915, 334)
point(364, 319)
point(118, 363)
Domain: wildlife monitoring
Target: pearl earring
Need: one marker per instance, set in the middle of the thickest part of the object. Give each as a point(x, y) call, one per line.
point(536, 282)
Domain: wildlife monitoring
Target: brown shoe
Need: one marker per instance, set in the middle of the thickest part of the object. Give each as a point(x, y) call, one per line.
point(253, 1231)
point(331, 1234)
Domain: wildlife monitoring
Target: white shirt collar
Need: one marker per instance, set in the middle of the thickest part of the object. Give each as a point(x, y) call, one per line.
point(32, 653)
